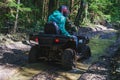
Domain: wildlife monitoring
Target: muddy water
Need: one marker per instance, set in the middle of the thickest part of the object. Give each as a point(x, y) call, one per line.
point(48, 71)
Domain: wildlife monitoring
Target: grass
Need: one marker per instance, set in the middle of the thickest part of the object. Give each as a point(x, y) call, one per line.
point(99, 46)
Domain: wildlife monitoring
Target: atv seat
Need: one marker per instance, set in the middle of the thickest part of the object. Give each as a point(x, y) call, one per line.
point(51, 28)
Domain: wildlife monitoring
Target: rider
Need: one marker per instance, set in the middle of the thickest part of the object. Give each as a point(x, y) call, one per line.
point(59, 17)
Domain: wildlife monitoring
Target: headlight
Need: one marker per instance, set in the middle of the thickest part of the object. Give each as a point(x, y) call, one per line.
point(80, 41)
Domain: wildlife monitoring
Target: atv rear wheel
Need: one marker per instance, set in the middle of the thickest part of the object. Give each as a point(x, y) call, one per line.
point(33, 54)
point(68, 59)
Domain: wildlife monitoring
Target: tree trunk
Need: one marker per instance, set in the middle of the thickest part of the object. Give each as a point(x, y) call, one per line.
point(85, 15)
point(16, 21)
point(79, 17)
point(53, 4)
point(45, 9)
point(71, 5)
point(86, 10)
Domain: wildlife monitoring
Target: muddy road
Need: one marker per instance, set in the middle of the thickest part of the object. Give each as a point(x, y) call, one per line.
point(14, 63)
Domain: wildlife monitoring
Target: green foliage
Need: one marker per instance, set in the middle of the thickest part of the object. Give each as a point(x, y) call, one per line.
point(2, 4)
point(32, 11)
point(98, 8)
point(115, 14)
point(9, 12)
point(12, 4)
point(106, 9)
point(25, 9)
point(38, 26)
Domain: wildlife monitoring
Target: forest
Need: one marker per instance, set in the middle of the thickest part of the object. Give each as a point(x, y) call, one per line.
point(23, 40)
point(33, 14)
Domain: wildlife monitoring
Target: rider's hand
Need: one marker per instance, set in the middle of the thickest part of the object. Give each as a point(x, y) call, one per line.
point(74, 29)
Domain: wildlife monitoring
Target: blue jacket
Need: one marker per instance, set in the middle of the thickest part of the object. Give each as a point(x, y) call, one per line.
point(60, 20)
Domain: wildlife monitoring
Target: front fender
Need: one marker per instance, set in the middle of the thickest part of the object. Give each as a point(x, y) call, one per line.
point(70, 44)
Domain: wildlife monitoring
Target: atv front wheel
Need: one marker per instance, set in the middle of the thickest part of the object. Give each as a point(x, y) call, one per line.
point(84, 52)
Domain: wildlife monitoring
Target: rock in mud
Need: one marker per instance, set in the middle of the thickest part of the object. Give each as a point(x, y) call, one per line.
point(93, 76)
point(44, 76)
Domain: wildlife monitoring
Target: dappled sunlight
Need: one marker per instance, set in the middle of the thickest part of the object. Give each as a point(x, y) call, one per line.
point(82, 66)
point(6, 71)
point(26, 72)
point(69, 76)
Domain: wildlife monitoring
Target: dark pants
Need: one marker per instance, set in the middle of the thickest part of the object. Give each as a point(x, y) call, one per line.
point(76, 40)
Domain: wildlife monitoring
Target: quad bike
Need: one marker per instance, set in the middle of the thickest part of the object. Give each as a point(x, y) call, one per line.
point(51, 45)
